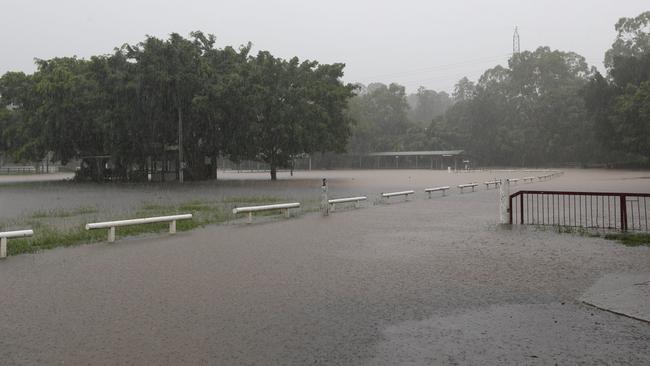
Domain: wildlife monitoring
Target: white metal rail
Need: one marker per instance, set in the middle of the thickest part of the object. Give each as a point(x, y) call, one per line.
point(356, 201)
point(468, 185)
point(493, 182)
point(111, 225)
point(394, 194)
point(437, 189)
point(280, 206)
point(4, 236)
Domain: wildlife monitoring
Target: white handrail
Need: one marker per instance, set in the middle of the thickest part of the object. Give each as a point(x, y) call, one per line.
point(356, 201)
point(435, 189)
point(111, 225)
point(278, 206)
point(495, 182)
point(348, 199)
point(468, 185)
point(11, 234)
point(401, 193)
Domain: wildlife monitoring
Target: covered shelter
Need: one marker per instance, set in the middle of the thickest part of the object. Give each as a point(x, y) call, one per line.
point(438, 159)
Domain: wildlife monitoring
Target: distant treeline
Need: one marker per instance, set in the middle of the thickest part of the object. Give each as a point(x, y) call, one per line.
point(545, 108)
point(124, 112)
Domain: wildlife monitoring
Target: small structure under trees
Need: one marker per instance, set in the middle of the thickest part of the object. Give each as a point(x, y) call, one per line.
point(442, 159)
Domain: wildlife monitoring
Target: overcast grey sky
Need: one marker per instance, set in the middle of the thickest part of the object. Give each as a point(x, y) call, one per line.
point(429, 43)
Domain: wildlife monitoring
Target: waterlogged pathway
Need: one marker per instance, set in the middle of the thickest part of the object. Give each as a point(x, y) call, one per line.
point(423, 282)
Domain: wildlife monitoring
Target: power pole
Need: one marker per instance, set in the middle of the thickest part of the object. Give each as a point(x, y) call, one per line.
point(515, 42)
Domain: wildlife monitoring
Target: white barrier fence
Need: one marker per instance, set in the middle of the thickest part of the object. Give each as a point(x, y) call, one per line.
point(437, 189)
point(493, 182)
point(469, 185)
point(394, 194)
point(280, 206)
point(356, 201)
point(111, 225)
point(4, 236)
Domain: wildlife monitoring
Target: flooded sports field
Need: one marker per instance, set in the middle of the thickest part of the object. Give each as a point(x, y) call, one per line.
point(426, 281)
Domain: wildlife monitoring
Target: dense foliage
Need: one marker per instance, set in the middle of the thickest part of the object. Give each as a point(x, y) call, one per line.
point(546, 107)
point(131, 110)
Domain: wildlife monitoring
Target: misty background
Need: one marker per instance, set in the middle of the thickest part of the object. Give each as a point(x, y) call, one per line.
point(128, 89)
point(413, 43)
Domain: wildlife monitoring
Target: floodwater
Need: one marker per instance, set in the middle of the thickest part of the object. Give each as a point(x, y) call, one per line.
point(429, 281)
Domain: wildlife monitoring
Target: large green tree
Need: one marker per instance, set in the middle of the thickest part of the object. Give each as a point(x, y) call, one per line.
point(528, 113)
point(167, 101)
point(381, 112)
point(618, 104)
point(298, 107)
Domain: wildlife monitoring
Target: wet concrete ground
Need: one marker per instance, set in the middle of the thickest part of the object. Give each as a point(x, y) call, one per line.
point(422, 282)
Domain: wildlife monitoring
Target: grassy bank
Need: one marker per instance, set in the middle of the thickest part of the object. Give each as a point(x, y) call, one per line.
point(631, 240)
point(62, 228)
point(628, 239)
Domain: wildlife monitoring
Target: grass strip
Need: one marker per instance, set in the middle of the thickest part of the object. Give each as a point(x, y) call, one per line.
point(628, 239)
point(48, 236)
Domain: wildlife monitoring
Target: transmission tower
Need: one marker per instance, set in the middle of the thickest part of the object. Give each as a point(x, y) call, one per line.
point(515, 42)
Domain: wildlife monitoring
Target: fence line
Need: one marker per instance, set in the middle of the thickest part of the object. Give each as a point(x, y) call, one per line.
point(600, 210)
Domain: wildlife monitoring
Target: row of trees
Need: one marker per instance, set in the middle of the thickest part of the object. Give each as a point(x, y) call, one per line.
point(139, 104)
point(545, 107)
point(387, 119)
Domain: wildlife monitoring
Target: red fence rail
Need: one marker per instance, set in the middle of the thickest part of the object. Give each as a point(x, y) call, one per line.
point(601, 210)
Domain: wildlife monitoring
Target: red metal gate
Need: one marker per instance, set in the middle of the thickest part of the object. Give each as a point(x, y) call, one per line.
point(602, 210)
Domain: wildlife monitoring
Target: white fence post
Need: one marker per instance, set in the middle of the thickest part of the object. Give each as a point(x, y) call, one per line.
point(504, 201)
point(3, 247)
point(111, 234)
point(324, 201)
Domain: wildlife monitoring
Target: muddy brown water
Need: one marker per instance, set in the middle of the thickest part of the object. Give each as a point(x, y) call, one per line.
point(430, 281)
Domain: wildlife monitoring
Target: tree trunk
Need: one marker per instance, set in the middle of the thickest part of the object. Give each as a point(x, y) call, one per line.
point(215, 167)
point(274, 173)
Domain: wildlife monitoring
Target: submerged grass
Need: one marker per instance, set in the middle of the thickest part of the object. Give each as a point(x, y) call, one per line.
point(628, 239)
point(631, 240)
point(48, 236)
point(60, 213)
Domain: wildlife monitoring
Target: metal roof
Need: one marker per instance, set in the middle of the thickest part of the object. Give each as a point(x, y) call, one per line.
point(418, 153)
